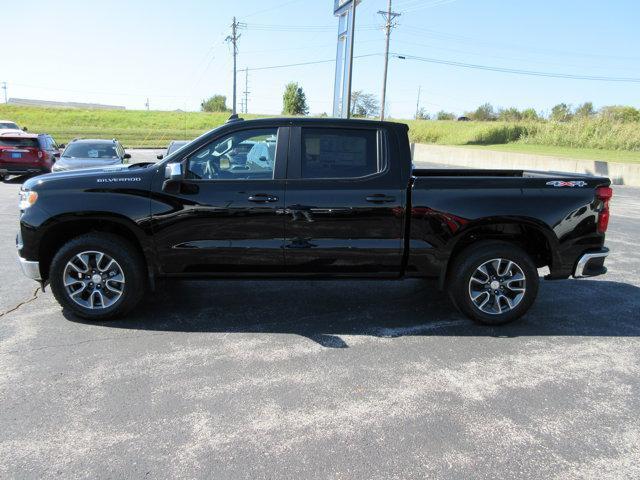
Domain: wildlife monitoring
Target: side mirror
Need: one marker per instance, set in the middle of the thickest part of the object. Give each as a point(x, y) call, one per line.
point(174, 172)
point(160, 157)
point(25, 129)
point(174, 175)
point(56, 154)
point(126, 156)
point(62, 145)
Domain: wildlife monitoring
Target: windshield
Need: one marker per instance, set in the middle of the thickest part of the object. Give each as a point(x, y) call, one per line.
point(9, 126)
point(90, 150)
point(176, 146)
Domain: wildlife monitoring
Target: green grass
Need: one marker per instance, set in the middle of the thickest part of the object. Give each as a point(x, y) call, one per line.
point(134, 128)
point(598, 139)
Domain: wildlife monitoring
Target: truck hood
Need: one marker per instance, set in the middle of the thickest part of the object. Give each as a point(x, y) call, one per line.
point(69, 163)
point(102, 176)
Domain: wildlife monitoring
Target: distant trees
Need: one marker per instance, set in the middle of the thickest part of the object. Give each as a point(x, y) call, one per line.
point(561, 113)
point(620, 113)
point(217, 103)
point(364, 104)
point(484, 113)
point(585, 110)
point(294, 101)
point(422, 114)
point(442, 115)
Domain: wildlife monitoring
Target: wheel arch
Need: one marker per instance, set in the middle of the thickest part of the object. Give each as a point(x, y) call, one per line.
point(60, 230)
point(536, 239)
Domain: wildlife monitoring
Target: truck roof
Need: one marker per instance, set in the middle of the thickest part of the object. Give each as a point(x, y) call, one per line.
point(342, 122)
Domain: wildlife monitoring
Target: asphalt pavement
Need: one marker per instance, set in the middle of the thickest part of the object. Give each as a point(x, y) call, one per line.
point(300, 379)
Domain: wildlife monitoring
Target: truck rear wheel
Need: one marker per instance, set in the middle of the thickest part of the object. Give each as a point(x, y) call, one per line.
point(97, 276)
point(493, 282)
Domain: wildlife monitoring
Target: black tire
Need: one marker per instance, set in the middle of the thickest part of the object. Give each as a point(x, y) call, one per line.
point(128, 261)
point(472, 261)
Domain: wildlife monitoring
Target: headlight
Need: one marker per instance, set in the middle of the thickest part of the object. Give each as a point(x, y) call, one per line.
point(27, 198)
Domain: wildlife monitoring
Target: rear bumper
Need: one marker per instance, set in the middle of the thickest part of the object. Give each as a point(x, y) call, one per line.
point(591, 264)
point(13, 169)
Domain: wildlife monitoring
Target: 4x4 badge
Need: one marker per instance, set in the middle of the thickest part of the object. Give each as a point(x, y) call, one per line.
point(562, 183)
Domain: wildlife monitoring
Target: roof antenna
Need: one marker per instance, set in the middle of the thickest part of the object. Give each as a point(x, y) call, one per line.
point(234, 118)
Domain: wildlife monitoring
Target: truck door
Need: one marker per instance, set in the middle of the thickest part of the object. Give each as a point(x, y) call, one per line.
point(227, 217)
point(344, 203)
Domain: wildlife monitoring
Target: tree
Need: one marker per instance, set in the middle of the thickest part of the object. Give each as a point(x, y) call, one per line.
point(217, 103)
point(561, 113)
point(364, 104)
point(484, 113)
point(294, 101)
point(442, 115)
point(620, 113)
point(585, 110)
point(509, 114)
point(530, 114)
point(422, 114)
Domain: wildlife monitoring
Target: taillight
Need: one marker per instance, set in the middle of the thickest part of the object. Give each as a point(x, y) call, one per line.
point(604, 194)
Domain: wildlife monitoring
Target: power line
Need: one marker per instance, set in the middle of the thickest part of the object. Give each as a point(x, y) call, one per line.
point(275, 7)
point(518, 71)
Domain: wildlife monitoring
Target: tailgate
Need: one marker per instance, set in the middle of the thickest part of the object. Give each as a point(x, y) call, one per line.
point(18, 155)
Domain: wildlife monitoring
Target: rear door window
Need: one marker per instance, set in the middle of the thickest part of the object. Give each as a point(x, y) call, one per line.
point(336, 153)
point(19, 142)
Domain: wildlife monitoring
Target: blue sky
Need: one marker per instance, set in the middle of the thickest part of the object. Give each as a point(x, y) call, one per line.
point(123, 51)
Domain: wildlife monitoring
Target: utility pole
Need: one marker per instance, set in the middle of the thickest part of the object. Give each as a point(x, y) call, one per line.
point(4, 87)
point(233, 38)
point(351, 44)
point(147, 104)
point(418, 102)
point(246, 90)
point(389, 17)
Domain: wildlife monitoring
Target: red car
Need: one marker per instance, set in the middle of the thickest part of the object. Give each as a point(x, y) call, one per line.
point(25, 153)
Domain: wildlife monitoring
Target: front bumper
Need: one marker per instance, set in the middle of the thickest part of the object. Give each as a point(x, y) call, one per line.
point(30, 269)
point(591, 264)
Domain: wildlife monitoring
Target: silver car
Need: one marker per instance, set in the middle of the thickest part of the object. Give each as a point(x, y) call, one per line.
point(90, 154)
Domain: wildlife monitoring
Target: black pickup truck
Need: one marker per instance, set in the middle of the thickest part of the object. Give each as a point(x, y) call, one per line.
point(309, 198)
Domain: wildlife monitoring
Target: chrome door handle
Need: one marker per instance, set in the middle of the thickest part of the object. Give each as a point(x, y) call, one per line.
point(263, 198)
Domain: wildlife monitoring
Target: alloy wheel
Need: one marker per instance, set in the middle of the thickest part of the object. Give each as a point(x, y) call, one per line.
point(497, 286)
point(94, 280)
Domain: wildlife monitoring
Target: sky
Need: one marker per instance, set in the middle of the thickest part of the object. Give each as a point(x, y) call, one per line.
point(122, 52)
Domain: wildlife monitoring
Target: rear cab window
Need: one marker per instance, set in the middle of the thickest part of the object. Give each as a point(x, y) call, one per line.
point(339, 153)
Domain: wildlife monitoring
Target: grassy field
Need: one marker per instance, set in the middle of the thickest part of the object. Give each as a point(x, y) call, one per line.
point(598, 139)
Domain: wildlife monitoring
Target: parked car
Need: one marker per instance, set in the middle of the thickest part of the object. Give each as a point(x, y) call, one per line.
point(86, 153)
point(173, 146)
point(7, 126)
point(26, 153)
point(334, 198)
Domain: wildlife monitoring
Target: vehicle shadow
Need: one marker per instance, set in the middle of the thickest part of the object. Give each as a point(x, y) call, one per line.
point(326, 310)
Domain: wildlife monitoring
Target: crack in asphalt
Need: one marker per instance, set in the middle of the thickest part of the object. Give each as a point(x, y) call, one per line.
point(29, 300)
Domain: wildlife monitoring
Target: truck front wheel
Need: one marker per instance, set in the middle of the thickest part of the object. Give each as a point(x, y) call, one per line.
point(493, 282)
point(97, 276)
